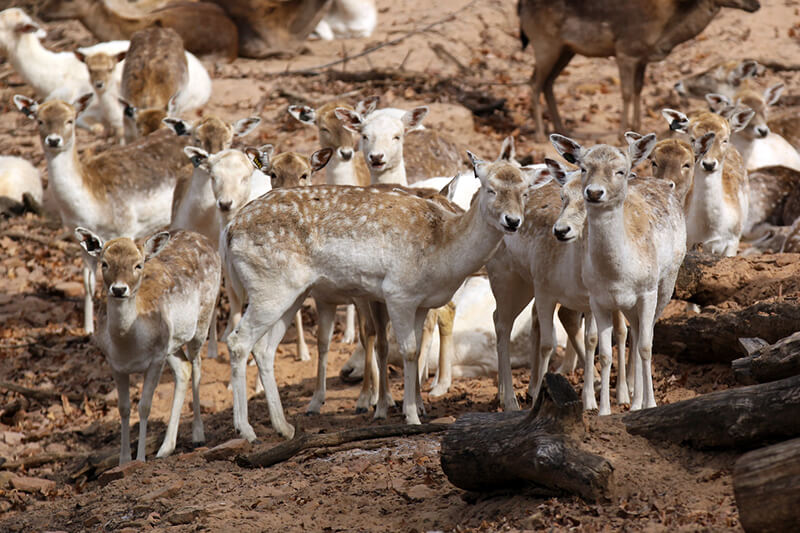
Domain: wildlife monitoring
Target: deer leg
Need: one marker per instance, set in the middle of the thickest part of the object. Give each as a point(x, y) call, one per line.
point(350, 325)
point(546, 60)
point(621, 334)
point(302, 347)
point(571, 320)
point(89, 282)
point(124, 406)
point(151, 377)
point(562, 61)
point(627, 75)
point(181, 370)
point(445, 316)
point(638, 85)
point(327, 317)
point(366, 334)
point(385, 399)
point(647, 317)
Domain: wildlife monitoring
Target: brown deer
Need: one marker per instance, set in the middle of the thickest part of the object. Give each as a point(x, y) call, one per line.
point(635, 32)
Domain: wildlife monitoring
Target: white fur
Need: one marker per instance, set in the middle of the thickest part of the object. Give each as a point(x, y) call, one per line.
point(17, 177)
point(769, 151)
point(348, 19)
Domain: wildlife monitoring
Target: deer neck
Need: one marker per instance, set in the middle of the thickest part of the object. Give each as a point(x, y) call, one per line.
point(705, 203)
point(470, 240)
point(606, 239)
point(34, 63)
point(685, 23)
point(69, 186)
point(339, 172)
point(121, 316)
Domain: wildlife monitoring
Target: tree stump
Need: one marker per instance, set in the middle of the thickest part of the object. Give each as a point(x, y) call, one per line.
point(771, 362)
point(746, 417)
point(485, 451)
point(766, 483)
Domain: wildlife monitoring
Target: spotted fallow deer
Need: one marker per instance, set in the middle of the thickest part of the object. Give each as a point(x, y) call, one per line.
point(124, 191)
point(636, 241)
point(544, 258)
point(717, 205)
point(419, 254)
point(723, 78)
point(636, 33)
point(159, 297)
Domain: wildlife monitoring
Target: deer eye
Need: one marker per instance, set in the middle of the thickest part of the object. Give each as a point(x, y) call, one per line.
point(324, 130)
point(620, 172)
point(396, 137)
point(492, 192)
point(687, 166)
point(104, 265)
point(139, 266)
point(69, 122)
point(655, 165)
point(304, 177)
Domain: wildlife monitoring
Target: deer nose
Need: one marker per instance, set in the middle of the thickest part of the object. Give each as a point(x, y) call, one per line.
point(376, 159)
point(561, 232)
point(511, 223)
point(119, 290)
point(762, 131)
point(224, 205)
point(99, 84)
point(53, 141)
point(709, 166)
point(593, 195)
point(345, 154)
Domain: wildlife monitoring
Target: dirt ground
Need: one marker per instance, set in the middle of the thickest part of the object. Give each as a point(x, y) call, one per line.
point(391, 484)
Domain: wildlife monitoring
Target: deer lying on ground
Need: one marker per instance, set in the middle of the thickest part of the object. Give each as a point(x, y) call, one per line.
point(18, 178)
point(105, 74)
point(204, 27)
point(124, 191)
point(723, 78)
point(636, 244)
point(716, 208)
point(53, 75)
point(346, 19)
point(636, 33)
point(298, 227)
point(757, 144)
point(159, 297)
point(774, 199)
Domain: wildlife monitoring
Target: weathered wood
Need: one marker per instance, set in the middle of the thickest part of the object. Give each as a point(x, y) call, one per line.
point(303, 441)
point(766, 483)
point(770, 362)
point(537, 448)
point(745, 417)
point(713, 335)
point(752, 344)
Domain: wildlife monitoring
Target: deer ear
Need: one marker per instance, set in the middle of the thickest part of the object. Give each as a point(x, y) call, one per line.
point(320, 158)
point(478, 165)
point(717, 102)
point(155, 245)
point(121, 56)
point(569, 149)
point(677, 121)
point(449, 190)
point(745, 69)
point(740, 118)
point(303, 113)
point(508, 151)
point(640, 149)
point(82, 103)
point(196, 155)
point(413, 118)
point(702, 145)
point(80, 55)
point(245, 125)
point(259, 156)
point(558, 171)
point(179, 126)
point(772, 94)
point(27, 106)
point(350, 119)
point(92, 243)
point(367, 105)
point(536, 176)
point(632, 137)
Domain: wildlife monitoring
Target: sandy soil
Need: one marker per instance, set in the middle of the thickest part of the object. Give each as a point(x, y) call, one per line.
point(395, 484)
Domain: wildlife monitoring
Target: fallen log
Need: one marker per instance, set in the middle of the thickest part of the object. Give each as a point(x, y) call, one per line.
point(536, 448)
point(304, 441)
point(766, 483)
point(713, 335)
point(771, 362)
point(745, 417)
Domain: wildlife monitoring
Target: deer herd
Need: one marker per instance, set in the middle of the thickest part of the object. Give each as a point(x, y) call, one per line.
point(406, 220)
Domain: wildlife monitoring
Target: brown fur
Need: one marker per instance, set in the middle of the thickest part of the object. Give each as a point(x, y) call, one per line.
point(203, 26)
point(289, 169)
point(787, 125)
point(100, 66)
point(212, 134)
point(155, 68)
point(428, 153)
point(267, 27)
point(636, 32)
point(720, 78)
point(333, 134)
point(669, 160)
point(774, 195)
